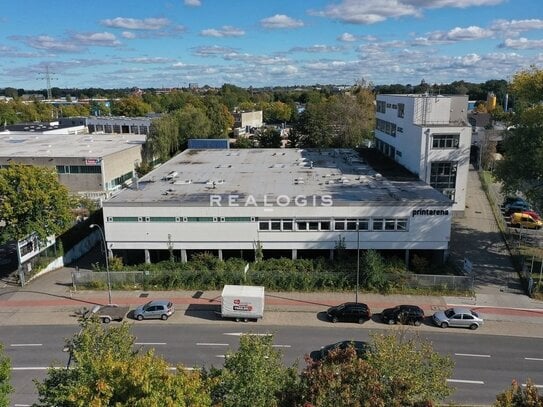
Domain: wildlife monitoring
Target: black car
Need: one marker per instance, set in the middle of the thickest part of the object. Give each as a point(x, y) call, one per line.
point(511, 200)
point(361, 348)
point(404, 314)
point(349, 312)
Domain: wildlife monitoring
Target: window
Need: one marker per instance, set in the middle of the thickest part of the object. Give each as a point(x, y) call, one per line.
point(390, 224)
point(401, 224)
point(401, 110)
point(201, 219)
point(363, 224)
point(377, 224)
point(287, 224)
point(313, 225)
point(264, 225)
point(301, 225)
point(443, 177)
point(351, 224)
point(339, 224)
point(276, 225)
point(162, 219)
point(381, 106)
point(445, 140)
point(325, 225)
point(399, 129)
point(124, 218)
point(237, 219)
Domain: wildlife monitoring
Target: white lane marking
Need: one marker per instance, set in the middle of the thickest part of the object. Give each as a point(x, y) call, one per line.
point(472, 355)
point(38, 368)
point(245, 333)
point(539, 386)
point(184, 368)
point(21, 405)
point(465, 381)
point(538, 359)
point(221, 356)
point(150, 343)
point(281, 346)
point(25, 344)
point(211, 344)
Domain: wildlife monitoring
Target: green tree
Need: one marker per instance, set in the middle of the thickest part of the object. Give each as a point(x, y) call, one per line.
point(32, 201)
point(277, 112)
point(252, 376)
point(164, 139)
point(5, 375)
point(243, 142)
point(269, 138)
point(131, 106)
point(517, 396)
point(221, 120)
point(193, 123)
point(374, 270)
point(106, 370)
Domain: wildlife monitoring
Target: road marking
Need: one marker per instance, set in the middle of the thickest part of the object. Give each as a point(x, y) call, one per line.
point(538, 359)
point(25, 344)
point(281, 346)
point(184, 368)
point(211, 344)
point(245, 333)
point(38, 368)
point(539, 386)
point(472, 355)
point(221, 356)
point(465, 381)
point(21, 405)
point(150, 343)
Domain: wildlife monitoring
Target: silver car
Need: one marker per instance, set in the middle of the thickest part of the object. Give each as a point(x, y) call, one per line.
point(162, 309)
point(459, 317)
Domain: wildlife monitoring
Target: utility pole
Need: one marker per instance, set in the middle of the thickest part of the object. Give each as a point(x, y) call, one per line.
point(48, 78)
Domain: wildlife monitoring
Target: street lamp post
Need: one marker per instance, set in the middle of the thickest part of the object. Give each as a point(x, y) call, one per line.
point(106, 256)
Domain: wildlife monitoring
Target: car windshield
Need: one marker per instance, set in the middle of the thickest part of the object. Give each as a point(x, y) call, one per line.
point(474, 314)
point(146, 306)
point(340, 307)
point(449, 313)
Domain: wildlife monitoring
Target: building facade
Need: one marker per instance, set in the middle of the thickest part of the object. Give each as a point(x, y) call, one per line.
point(431, 137)
point(119, 125)
point(279, 200)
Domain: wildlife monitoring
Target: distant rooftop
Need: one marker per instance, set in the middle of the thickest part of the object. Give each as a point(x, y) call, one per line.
point(65, 145)
point(191, 177)
point(35, 126)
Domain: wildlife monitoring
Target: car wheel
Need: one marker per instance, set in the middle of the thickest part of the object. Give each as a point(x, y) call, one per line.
point(473, 327)
point(361, 320)
point(444, 325)
point(139, 317)
point(391, 321)
point(164, 317)
point(106, 320)
point(334, 319)
point(417, 322)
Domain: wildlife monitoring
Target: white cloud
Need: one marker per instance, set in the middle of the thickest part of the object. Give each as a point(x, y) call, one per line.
point(148, 60)
point(128, 35)
point(281, 21)
point(455, 35)
point(225, 31)
point(347, 37)
point(318, 48)
point(374, 11)
point(513, 27)
point(103, 39)
point(193, 3)
point(521, 43)
point(46, 42)
point(213, 50)
point(136, 24)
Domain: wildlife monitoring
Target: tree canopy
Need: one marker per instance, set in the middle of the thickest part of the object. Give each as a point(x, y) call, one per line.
point(32, 201)
point(5, 375)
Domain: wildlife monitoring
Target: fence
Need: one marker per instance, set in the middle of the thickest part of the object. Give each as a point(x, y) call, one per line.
point(138, 278)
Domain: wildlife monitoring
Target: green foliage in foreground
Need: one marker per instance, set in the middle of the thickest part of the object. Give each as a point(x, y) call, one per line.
point(5, 374)
point(517, 396)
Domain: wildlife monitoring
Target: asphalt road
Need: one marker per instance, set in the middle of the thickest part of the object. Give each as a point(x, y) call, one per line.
point(485, 364)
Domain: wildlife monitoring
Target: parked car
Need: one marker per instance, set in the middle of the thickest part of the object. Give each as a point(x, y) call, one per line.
point(458, 317)
point(349, 312)
point(512, 199)
point(162, 309)
point(360, 347)
point(526, 221)
point(404, 314)
point(533, 214)
point(516, 207)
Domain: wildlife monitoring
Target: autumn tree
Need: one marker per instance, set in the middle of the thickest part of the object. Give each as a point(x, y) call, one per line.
point(220, 118)
point(269, 138)
point(254, 375)
point(5, 375)
point(517, 396)
point(131, 106)
point(32, 201)
point(106, 370)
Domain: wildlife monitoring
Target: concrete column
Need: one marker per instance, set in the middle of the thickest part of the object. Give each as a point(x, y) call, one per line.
point(183, 255)
point(219, 254)
point(294, 254)
point(331, 256)
point(147, 256)
point(407, 259)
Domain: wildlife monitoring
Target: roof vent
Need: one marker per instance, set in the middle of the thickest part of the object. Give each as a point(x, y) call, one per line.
point(171, 175)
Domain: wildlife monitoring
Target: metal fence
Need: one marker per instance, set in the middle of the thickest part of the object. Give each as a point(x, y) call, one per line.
point(137, 278)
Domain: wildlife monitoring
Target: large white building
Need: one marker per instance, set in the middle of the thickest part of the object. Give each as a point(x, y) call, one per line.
point(285, 200)
point(430, 136)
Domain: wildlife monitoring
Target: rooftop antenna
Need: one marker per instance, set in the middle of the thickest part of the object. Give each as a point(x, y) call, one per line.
point(48, 78)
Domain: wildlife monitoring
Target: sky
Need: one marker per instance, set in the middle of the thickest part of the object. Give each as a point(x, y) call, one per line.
point(171, 43)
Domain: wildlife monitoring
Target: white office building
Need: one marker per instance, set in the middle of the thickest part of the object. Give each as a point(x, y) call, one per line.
point(431, 137)
point(231, 202)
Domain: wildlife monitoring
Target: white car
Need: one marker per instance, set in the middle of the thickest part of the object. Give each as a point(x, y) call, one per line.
point(458, 317)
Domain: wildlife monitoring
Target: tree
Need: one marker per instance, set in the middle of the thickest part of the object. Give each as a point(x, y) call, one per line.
point(130, 106)
point(269, 138)
point(193, 123)
point(221, 120)
point(252, 376)
point(105, 370)
point(32, 201)
point(517, 396)
point(164, 139)
point(5, 375)
point(243, 142)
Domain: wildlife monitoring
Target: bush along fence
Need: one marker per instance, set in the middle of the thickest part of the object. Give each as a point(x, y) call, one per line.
point(208, 273)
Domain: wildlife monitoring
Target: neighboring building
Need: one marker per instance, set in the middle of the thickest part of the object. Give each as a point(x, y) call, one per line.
point(430, 136)
point(119, 124)
point(90, 165)
point(286, 201)
point(245, 121)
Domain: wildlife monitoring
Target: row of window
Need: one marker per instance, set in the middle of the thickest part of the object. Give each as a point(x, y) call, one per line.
point(387, 149)
point(288, 225)
point(79, 169)
point(386, 127)
point(443, 177)
point(382, 107)
point(120, 180)
point(445, 140)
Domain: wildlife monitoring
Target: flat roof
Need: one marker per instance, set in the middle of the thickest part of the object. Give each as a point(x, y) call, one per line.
point(36, 126)
point(28, 144)
point(189, 178)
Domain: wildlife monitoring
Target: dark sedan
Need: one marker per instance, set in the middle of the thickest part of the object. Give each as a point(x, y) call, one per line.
point(404, 314)
point(349, 312)
point(360, 347)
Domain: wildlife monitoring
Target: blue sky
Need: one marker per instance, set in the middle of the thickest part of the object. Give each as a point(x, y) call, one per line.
point(156, 43)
